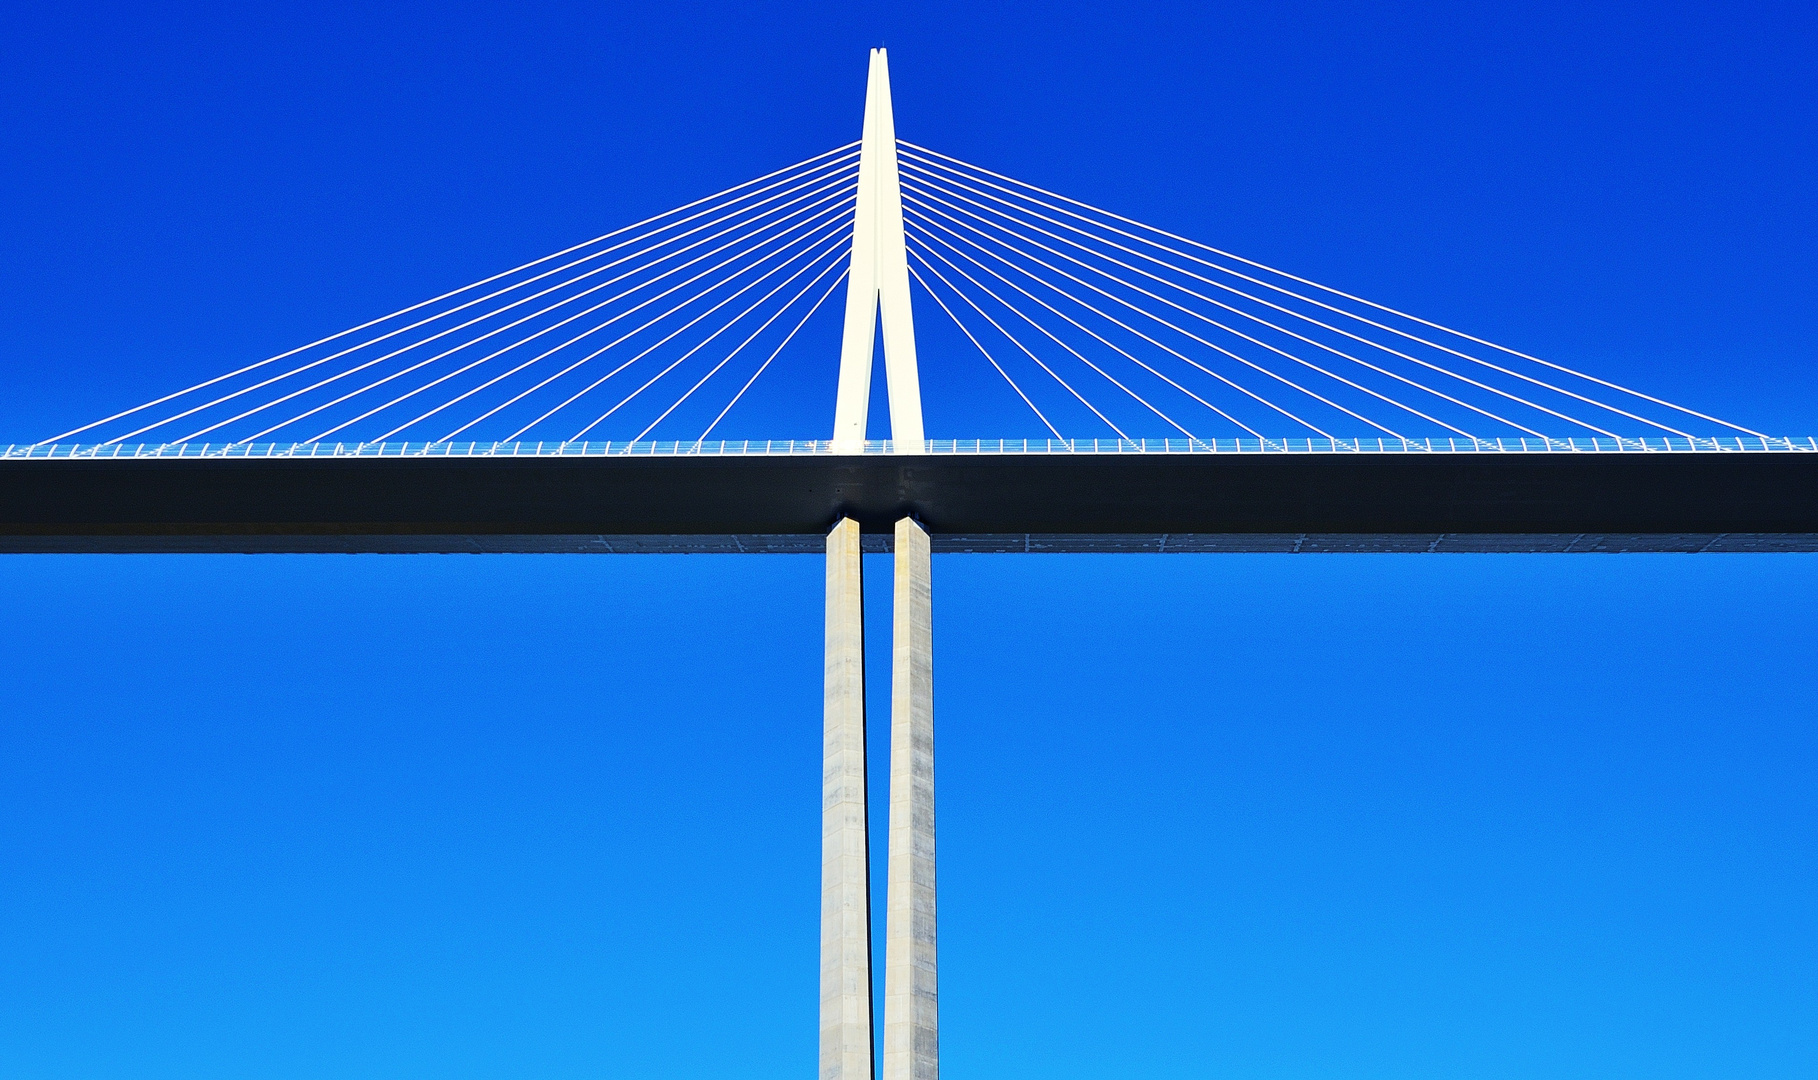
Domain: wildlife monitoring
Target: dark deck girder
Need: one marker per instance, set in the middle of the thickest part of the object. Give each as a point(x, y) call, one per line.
point(988, 502)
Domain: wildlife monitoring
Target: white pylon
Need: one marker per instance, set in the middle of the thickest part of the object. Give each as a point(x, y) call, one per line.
point(879, 281)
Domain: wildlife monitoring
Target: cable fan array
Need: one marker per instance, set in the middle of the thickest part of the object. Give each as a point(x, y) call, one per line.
point(557, 348)
point(1101, 325)
point(1198, 341)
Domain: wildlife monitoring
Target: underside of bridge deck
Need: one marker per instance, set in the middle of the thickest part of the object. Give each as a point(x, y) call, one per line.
point(1007, 502)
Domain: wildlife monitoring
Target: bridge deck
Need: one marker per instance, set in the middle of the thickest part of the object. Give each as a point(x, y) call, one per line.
point(1750, 495)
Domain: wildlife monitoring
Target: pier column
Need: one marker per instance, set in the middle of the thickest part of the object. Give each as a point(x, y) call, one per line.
point(846, 1039)
point(911, 1014)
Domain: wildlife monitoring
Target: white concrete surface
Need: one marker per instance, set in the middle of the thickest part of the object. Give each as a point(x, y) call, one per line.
point(911, 1006)
point(879, 280)
point(847, 1051)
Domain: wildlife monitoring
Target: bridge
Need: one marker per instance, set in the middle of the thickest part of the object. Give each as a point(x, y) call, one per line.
point(1184, 398)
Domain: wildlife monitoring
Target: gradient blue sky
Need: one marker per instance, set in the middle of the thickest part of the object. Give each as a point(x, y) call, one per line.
point(1248, 816)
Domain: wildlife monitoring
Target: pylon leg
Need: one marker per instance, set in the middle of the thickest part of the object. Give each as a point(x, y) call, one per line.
point(911, 1005)
point(846, 1037)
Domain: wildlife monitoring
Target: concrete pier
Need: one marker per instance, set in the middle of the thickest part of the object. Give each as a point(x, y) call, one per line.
point(911, 1012)
point(847, 1052)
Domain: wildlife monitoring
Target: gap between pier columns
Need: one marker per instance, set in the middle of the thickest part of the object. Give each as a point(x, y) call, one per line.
point(847, 1051)
point(911, 1012)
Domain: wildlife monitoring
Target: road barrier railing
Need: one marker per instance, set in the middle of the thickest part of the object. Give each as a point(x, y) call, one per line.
point(1746, 444)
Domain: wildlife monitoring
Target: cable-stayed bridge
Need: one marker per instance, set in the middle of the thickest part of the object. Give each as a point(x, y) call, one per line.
point(1182, 398)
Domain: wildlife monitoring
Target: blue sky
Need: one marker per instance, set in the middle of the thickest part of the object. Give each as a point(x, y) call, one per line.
point(1247, 816)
